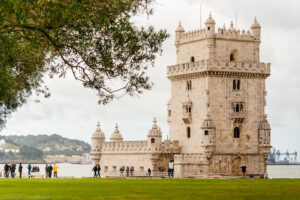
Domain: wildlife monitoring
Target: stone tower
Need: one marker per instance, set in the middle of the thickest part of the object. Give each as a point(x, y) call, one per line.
point(216, 110)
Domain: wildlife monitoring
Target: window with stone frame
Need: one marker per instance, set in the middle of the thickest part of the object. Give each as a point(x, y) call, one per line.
point(152, 140)
point(236, 132)
point(236, 84)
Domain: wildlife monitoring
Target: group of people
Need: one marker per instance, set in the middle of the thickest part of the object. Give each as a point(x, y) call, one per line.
point(96, 170)
point(10, 170)
point(49, 169)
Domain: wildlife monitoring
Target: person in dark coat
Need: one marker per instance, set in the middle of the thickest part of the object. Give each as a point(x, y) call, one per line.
point(95, 171)
point(98, 170)
point(127, 171)
point(13, 170)
point(46, 171)
point(149, 172)
point(244, 169)
point(6, 170)
point(50, 168)
point(20, 169)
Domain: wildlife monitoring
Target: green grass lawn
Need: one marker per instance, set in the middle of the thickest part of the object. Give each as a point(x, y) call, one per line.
point(90, 188)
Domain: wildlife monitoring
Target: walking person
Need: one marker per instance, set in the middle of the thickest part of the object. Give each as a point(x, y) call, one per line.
point(169, 172)
point(244, 169)
point(6, 170)
point(13, 170)
point(50, 168)
point(46, 171)
point(20, 169)
point(29, 170)
point(95, 171)
point(127, 171)
point(149, 172)
point(98, 170)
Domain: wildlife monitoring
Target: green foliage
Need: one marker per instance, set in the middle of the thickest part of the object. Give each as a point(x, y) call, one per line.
point(92, 188)
point(94, 39)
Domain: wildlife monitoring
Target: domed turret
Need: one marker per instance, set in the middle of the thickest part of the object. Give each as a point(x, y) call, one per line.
point(264, 131)
point(264, 124)
point(179, 32)
point(116, 136)
point(155, 131)
point(208, 123)
point(154, 137)
point(98, 139)
point(98, 134)
point(255, 29)
point(210, 20)
point(209, 135)
point(210, 26)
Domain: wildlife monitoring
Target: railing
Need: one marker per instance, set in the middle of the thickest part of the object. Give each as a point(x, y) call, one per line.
point(139, 174)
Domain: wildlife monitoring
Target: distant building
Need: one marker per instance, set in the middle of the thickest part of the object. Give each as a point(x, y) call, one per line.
point(216, 112)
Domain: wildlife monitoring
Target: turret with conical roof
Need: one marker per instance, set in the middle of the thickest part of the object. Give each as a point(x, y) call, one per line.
point(116, 136)
point(255, 28)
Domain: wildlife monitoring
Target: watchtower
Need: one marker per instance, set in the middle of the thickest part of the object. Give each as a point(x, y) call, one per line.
point(216, 109)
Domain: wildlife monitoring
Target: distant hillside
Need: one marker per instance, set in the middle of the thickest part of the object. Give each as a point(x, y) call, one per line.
point(52, 144)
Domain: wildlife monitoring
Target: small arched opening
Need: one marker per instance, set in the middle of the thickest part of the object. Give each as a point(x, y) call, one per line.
point(233, 55)
point(238, 84)
point(192, 59)
point(237, 108)
point(152, 140)
point(234, 84)
point(236, 132)
point(188, 132)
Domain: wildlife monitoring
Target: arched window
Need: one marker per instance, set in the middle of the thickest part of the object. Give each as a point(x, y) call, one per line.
point(237, 108)
point(233, 55)
point(234, 84)
point(188, 132)
point(152, 140)
point(192, 59)
point(238, 85)
point(189, 85)
point(189, 109)
point(236, 132)
point(208, 28)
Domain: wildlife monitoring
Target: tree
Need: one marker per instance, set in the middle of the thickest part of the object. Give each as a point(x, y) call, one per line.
point(96, 40)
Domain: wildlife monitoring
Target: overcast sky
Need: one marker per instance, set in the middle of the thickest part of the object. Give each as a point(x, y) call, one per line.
point(72, 111)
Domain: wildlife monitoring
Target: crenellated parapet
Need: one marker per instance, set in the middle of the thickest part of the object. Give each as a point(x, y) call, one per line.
point(221, 34)
point(124, 146)
point(217, 67)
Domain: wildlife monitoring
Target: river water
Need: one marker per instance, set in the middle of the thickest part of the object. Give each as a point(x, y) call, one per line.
point(79, 171)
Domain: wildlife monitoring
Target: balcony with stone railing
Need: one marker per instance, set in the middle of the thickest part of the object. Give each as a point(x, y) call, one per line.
point(238, 116)
point(219, 68)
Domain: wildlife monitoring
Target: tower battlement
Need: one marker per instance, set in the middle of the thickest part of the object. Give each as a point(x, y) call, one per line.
point(219, 67)
point(222, 33)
